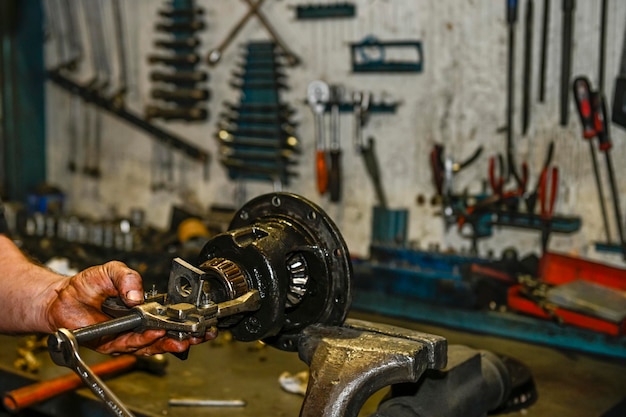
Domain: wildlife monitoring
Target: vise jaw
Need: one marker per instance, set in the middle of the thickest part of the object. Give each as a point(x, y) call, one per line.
point(351, 362)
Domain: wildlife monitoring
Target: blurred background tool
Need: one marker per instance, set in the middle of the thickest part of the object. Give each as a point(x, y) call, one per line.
point(179, 89)
point(257, 136)
point(545, 31)
point(598, 105)
point(566, 58)
point(334, 175)
point(511, 18)
point(528, 59)
point(318, 95)
point(582, 95)
point(619, 95)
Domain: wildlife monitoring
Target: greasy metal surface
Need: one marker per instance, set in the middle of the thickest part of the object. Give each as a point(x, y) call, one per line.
point(472, 384)
point(348, 364)
point(569, 384)
point(264, 235)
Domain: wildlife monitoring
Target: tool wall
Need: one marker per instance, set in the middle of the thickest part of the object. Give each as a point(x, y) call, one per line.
point(153, 103)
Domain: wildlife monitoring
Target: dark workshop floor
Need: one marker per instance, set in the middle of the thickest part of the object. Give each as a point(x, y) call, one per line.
point(569, 384)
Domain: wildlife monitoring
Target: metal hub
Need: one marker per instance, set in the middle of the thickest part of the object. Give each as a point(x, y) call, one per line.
point(289, 250)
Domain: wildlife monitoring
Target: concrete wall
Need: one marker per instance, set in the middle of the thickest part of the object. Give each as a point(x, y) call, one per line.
point(458, 101)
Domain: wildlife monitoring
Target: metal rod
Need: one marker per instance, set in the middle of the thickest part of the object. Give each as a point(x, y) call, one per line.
point(528, 54)
point(109, 105)
point(566, 58)
point(601, 58)
point(544, 51)
point(616, 204)
point(596, 172)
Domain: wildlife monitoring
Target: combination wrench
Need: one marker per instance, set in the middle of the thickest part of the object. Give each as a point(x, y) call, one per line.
point(318, 95)
point(63, 349)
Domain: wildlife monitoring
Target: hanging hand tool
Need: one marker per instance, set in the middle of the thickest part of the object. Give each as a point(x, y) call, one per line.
point(619, 95)
point(187, 114)
point(531, 198)
point(511, 17)
point(318, 95)
point(582, 95)
point(368, 152)
point(181, 27)
point(548, 191)
point(175, 60)
point(544, 50)
point(216, 54)
point(191, 42)
point(602, 53)
point(71, 23)
point(527, 71)
point(290, 56)
point(361, 105)
point(182, 78)
point(566, 57)
point(181, 13)
point(497, 179)
point(604, 142)
point(334, 176)
point(180, 95)
point(120, 39)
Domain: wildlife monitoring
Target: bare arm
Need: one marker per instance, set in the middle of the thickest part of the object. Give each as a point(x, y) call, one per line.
point(36, 299)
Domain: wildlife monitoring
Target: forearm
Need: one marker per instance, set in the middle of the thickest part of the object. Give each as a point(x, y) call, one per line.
point(26, 291)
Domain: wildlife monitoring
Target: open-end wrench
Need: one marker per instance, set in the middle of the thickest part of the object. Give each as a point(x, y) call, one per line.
point(216, 54)
point(318, 94)
point(292, 58)
point(63, 349)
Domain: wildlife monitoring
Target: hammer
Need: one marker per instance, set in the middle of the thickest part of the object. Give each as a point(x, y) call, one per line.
point(23, 397)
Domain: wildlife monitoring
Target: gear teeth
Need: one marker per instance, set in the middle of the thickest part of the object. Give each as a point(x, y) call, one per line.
point(298, 279)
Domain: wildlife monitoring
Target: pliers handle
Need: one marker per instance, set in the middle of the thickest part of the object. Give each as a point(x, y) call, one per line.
point(548, 187)
point(496, 180)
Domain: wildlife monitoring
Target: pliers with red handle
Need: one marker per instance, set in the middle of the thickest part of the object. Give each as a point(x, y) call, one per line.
point(548, 191)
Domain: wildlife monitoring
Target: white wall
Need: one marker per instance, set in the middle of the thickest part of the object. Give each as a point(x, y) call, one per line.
point(458, 101)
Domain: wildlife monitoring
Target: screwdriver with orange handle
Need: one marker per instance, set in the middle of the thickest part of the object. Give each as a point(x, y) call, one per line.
point(318, 95)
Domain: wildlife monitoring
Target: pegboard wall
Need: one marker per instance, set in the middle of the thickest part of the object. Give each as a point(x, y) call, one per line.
point(458, 100)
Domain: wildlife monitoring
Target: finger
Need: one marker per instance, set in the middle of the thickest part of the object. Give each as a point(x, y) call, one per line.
point(165, 344)
point(127, 282)
point(131, 342)
point(210, 334)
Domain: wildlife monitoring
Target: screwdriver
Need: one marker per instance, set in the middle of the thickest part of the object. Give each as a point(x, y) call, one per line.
point(598, 104)
point(511, 18)
point(566, 58)
point(582, 95)
point(527, 73)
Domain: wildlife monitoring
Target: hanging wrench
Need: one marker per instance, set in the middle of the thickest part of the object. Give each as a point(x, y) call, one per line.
point(361, 103)
point(292, 58)
point(63, 349)
point(216, 54)
point(318, 94)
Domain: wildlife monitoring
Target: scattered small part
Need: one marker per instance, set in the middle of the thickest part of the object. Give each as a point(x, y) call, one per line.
point(204, 402)
point(294, 383)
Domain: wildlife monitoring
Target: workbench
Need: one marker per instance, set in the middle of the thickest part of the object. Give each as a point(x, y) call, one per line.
point(569, 384)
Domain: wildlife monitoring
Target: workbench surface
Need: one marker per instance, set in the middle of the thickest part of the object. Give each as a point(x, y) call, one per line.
point(569, 384)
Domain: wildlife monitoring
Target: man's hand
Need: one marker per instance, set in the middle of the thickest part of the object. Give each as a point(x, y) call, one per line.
point(79, 302)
